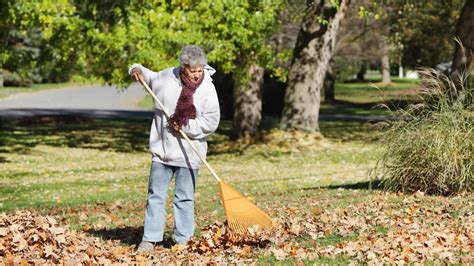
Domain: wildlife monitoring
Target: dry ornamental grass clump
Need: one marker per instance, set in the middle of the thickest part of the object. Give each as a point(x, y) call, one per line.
point(430, 148)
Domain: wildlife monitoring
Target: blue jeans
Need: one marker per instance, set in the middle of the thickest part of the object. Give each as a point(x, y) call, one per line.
point(183, 203)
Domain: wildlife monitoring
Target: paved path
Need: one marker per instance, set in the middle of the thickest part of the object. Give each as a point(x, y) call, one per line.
point(89, 100)
point(94, 97)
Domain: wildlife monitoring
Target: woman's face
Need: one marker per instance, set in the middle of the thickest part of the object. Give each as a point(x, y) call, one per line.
point(194, 72)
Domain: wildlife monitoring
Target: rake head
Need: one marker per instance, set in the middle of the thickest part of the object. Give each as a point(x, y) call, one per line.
point(240, 212)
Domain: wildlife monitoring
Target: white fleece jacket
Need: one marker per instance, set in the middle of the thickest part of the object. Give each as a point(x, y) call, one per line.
point(166, 147)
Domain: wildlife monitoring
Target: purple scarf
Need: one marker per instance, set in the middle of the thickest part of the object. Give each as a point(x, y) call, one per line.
point(185, 108)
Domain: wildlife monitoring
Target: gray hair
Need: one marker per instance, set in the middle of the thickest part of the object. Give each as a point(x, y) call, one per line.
point(192, 55)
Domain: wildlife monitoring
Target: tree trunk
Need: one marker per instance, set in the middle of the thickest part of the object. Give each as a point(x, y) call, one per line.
point(361, 73)
point(462, 59)
point(400, 71)
point(313, 50)
point(248, 104)
point(329, 82)
point(385, 62)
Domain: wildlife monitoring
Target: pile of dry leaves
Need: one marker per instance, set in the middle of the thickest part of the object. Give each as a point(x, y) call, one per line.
point(379, 231)
point(26, 237)
point(274, 140)
point(30, 238)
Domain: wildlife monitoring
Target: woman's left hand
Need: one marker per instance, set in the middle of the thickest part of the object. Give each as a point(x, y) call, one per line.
point(176, 127)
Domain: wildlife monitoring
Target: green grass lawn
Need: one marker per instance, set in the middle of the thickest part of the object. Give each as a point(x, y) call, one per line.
point(370, 92)
point(92, 176)
point(42, 165)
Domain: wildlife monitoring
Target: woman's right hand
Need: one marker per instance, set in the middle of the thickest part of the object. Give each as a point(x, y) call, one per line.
point(137, 74)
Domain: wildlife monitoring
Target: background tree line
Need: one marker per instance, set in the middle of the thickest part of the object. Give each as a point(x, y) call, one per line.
point(297, 44)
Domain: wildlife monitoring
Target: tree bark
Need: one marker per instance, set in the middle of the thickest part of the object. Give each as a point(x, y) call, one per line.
point(248, 104)
point(385, 62)
point(313, 50)
point(329, 81)
point(463, 59)
point(361, 73)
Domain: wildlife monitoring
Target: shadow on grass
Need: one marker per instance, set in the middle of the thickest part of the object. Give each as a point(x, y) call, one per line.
point(77, 131)
point(74, 131)
point(129, 135)
point(127, 235)
point(366, 185)
point(393, 79)
point(392, 104)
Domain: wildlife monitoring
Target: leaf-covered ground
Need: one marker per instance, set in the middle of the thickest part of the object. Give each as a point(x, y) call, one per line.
point(75, 192)
point(384, 228)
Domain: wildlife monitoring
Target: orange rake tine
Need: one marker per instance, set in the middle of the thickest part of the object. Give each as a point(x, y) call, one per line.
point(241, 213)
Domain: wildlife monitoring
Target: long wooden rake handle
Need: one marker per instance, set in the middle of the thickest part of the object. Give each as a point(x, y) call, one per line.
point(180, 131)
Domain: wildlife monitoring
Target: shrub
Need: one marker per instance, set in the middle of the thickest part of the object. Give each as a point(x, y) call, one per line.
point(430, 148)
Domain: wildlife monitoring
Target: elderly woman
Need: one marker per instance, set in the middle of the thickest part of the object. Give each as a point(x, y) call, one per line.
point(188, 93)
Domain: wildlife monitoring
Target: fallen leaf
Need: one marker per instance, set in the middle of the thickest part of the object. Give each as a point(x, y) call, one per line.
point(279, 254)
